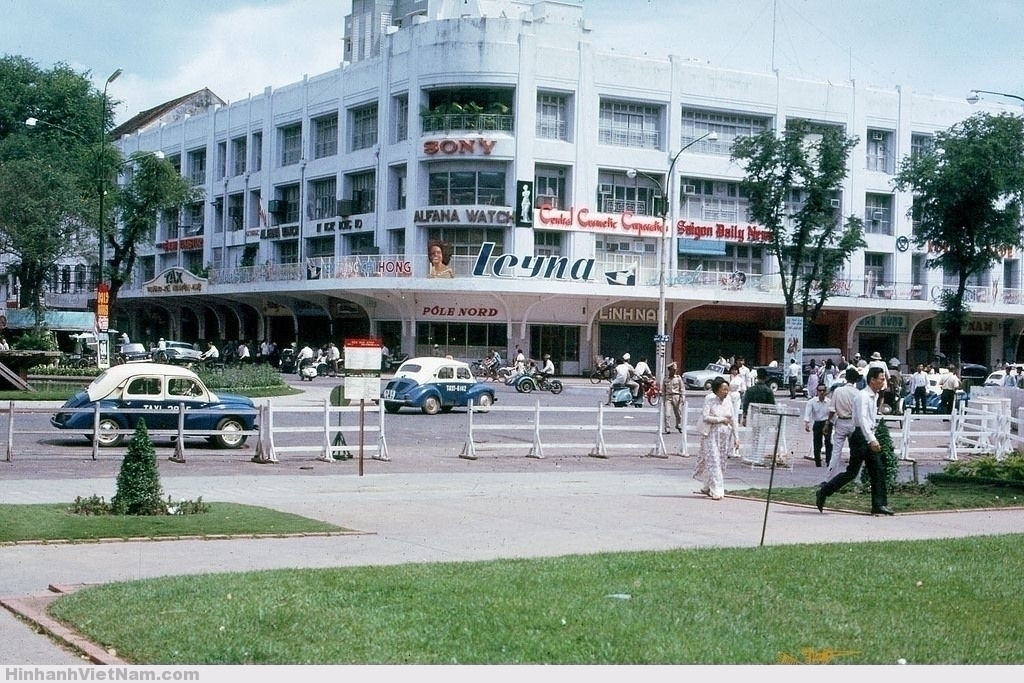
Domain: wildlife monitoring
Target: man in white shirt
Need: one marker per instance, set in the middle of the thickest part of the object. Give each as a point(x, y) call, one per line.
point(919, 390)
point(843, 404)
point(949, 383)
point(816, 420)
point(793, 376)
point(642, 369)
point(211, 352)
point(864, 449)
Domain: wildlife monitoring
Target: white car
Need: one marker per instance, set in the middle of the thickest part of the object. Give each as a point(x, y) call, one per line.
point(701, 379)
point(997, 378)
point(176, 353)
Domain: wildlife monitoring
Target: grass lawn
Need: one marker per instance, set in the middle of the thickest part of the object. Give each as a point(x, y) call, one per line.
point(956, 601)
point(52, 522)
point(925, 497)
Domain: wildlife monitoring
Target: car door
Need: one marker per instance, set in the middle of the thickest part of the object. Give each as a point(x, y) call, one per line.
point(447, 387)
point(187, 391)
point(146, 393)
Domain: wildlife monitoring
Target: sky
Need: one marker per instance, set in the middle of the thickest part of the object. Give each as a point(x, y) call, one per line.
point(168, 48)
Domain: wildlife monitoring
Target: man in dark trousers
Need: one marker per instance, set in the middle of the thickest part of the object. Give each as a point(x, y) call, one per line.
point(864, 449)
point(759, 393)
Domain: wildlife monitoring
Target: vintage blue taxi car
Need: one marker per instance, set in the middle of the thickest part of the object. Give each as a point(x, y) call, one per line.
point(435, 385)
point(153, 391)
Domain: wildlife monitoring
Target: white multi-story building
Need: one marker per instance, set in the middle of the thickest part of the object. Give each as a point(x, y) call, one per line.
point(507, 133)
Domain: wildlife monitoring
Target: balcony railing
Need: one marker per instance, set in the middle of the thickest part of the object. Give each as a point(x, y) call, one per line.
point(442, 123)
point(643, 266)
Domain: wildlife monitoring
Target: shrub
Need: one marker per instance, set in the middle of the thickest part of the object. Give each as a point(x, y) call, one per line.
point(92, 506)
point(138, 482)
point(248, 376)
point(1011, 468)
point(889, 460)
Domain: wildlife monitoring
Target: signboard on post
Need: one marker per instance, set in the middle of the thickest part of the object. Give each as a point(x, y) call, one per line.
point(102, 306)
point(362, 369)
point(794, 341)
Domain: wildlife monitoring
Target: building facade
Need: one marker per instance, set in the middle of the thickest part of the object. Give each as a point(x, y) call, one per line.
point(533, 157)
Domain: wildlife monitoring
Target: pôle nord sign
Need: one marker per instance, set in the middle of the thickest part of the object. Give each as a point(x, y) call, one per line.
point(531, 266)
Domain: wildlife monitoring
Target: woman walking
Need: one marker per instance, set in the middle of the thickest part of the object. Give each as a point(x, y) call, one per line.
point(718, 439)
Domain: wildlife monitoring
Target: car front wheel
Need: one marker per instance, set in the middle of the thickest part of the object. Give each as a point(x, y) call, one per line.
point(707, 385)
point(432, 405)
point(230, 435)
point(484, 403)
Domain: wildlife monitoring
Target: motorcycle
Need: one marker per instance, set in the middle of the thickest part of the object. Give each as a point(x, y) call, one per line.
point(649, 390)
point(605, 370)
point(527, 383)
point(310, 368)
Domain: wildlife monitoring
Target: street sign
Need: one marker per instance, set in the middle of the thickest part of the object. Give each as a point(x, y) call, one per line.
point(662, 338)
point(102, 307)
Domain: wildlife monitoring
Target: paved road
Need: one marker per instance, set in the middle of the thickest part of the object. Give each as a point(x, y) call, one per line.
point(465, 510)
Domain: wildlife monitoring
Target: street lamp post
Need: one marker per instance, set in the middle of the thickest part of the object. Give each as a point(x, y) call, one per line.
point(99, 166)
point(662, 339)
point(975, 96)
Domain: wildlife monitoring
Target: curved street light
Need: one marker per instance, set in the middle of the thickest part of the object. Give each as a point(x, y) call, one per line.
point(664, 210)
point(975, 96)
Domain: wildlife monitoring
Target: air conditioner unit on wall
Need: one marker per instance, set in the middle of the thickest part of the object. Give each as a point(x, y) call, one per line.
point(836, 203)
point(689, 189)
point(877, 215)
point(878, 136)
point(604, 188)
point(345, 207)
point(276, 206)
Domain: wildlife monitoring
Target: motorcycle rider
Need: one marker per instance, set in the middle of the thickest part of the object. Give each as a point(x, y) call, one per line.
point(547, 368)
point(625, 375)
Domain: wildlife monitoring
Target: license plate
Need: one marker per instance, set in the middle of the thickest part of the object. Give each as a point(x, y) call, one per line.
point(388, 394)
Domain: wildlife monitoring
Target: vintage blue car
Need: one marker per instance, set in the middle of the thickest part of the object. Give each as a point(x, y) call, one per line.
point(435, 385)
point(158, 389)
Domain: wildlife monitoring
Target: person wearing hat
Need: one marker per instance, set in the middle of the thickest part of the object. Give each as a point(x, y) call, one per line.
point(547, 368)
point(877, 362)
point(674, 398)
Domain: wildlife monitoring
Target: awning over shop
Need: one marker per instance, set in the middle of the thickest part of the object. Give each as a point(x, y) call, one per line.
point(57, 321)
point(701, 247)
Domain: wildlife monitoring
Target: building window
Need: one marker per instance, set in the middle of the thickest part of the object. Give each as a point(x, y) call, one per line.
point(550, 187)
point(398, 188)
point(467, 188)
point(618, 193)
point(737, 259)
point(719, 200)
point(628, 124)
point(880, 151)
point(364, 191)
point(320, 247)
point(697, 123)
point(400, 115)
point(289, 196)
point(325, 136)
point(287, 252)
point(921, 144)
point(364, 127)
point(552, 116)
point(238, 156)
point(197, 167)
point(257, 152)
point(547, 242)
point(875, 272)
point(291, 145)
point(878, 214)
point(236, 211)
point(467, 241)
point(222, 160)
point(325, 203)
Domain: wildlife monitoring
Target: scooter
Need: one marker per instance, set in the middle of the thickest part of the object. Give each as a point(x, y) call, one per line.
point(308, 369)
point(622, 396)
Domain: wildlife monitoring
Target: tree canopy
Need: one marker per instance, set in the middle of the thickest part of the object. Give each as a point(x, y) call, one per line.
point(968, 196)
point(792, 181)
